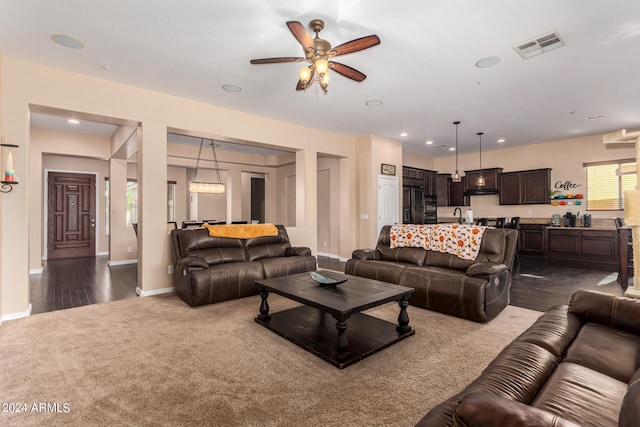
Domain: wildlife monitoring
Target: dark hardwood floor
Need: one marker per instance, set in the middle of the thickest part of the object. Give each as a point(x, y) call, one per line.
point(68, 283)
point(537, 283)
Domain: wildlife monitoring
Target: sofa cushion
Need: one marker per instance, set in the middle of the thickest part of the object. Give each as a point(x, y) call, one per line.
point(554, 330)
point(485, 269)
point(409, 255)
point(630, 410)
point(582, 395)
point(439, 259)
point(607, 350)
point(447, 291)
point(598, 307)
point(223, 282)
point(385, 271)
point(214, 250)
point(487, 410)
point(493, 246)
point(284, 266)
point(517, 372)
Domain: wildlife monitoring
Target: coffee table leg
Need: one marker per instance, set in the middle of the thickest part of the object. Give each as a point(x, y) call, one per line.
point(342, 345)
point(403, 318)
point(264, 306)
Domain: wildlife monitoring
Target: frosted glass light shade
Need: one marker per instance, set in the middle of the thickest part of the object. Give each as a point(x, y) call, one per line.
point(305, 74)
point(206, 187)
point(480, 182)
point(325, 79)
point(322, 66)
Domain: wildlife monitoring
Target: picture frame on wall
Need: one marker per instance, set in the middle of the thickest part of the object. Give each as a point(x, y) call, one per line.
point(386, 169)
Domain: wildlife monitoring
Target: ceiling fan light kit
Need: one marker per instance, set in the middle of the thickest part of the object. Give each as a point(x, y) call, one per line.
point(318, 52)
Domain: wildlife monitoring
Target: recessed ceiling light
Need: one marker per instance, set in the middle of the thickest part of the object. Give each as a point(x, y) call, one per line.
point(501, 140)
point(480, 82)
point(489, 61)
point(67, 41)
point(74, 121)
point(429, 142)
point(373, 103)
point(452, 148)
point(404, 134)
point(231, 88)
point(106, 67)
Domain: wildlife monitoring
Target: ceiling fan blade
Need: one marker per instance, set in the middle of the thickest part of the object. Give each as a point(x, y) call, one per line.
point(276, 60)
point(301, 35)
point(347, 71)
point(300, 86)
point(356, 45)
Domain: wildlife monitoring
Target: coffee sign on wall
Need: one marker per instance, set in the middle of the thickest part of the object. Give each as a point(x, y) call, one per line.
point(564, 192)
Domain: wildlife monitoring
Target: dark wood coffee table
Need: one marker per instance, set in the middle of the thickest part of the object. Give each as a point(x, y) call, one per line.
point(320, 325)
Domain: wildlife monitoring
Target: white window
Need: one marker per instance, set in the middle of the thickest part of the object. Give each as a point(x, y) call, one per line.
point(606, 185)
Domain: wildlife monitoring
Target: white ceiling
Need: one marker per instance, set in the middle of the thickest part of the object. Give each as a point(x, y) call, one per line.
point(424, 69)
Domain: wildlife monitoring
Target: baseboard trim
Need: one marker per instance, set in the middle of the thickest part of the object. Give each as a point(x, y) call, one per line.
point(102, 253)
point(36, 270)
point(123, 262)
point(21, 315)
point(142, 293)
point(332, 256)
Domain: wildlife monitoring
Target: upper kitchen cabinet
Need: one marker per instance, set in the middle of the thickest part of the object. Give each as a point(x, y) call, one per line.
point(525, 187)
point(442, 188)
point(490, 177)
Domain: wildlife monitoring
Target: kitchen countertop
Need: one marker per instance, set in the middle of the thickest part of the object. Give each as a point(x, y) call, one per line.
point(596, 223)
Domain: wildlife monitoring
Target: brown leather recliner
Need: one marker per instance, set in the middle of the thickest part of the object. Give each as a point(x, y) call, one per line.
point(214, 269)
point(577, 365)
point(473, 289)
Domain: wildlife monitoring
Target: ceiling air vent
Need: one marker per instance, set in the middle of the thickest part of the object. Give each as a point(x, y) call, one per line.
point(540, 45)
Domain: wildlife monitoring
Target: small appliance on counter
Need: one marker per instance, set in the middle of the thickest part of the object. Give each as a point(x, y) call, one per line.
point(569, 220)
point(555, 220)
point(586, 220)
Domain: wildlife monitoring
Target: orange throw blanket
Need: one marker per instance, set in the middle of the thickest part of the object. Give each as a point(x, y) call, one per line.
point(241, 231)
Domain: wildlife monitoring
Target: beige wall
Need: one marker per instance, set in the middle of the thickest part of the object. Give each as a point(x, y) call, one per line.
point(329, 224)
point(564, 157)
point(25, 84)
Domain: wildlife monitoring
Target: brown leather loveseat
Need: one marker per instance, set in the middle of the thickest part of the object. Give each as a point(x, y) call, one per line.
point(214, 269)
point(473, 289)
point(577, 365)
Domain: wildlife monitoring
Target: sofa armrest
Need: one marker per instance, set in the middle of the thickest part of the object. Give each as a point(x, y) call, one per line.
point(618, 312)
point(365, 254)
point(485, 269)
point(193, 261)
point(488, 410)
point(298, 251)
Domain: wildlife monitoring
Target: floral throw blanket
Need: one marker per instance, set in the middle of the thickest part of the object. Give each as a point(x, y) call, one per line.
point(460, 240)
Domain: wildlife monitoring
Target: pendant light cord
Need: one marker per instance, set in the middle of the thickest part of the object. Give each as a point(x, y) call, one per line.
point(195, 178)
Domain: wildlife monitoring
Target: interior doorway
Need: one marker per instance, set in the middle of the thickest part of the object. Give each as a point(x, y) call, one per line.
point(257, 199)
point(71, 215)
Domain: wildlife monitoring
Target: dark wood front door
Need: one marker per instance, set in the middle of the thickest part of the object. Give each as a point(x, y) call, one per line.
point(71, 215)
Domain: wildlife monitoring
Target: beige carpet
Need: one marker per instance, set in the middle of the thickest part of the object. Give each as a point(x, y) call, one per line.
point(156, 361)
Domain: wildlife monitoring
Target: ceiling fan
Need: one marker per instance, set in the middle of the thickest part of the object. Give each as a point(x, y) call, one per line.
point(318, 52)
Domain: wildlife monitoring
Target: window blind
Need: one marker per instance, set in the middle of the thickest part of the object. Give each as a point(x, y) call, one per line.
point(605, 188)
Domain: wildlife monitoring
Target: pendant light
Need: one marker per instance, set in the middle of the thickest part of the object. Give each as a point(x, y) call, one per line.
point(196, 186)
point(480, 182)
point(456, 176)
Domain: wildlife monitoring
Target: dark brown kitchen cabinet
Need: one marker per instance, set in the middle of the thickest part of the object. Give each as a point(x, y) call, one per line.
point(510, 187)
point(442, 188)
point(535, 186)
point(583, 245)
point(490, 178)
point(456, 193)
point(429, 181)
point(531, 239)
point(525, 187)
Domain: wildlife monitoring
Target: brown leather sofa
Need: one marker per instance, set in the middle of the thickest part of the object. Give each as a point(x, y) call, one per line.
point(214, 269)
point(577, 365)
point(473, 289)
